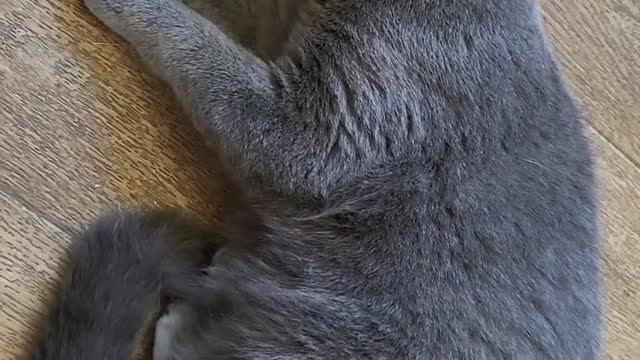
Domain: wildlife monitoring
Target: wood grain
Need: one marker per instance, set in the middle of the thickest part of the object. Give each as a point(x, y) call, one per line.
point(599, 43)
point(621, 201)
point(84, 128)
point(31, 250)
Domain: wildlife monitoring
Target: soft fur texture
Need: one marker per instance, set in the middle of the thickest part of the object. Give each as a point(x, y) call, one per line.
point(420, 180)
point(120, 271)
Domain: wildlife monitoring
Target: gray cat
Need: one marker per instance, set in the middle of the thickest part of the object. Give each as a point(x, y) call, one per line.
point(416, 185)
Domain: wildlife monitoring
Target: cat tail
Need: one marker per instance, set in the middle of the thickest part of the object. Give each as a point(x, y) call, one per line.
point(118, 278)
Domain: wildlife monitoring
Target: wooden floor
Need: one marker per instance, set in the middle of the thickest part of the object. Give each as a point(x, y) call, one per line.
point(84, 128)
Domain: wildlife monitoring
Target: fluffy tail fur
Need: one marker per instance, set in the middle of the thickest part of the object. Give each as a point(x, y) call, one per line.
point(121, 270)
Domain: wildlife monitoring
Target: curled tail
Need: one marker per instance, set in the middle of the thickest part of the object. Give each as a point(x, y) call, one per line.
point(121, 269)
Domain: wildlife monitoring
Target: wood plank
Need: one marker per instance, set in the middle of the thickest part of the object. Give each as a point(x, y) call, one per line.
point(83, 125)
point(31, 251)
point(599, 44)
point(620, 196)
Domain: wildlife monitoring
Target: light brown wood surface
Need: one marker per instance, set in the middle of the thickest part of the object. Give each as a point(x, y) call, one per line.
point(84, 128)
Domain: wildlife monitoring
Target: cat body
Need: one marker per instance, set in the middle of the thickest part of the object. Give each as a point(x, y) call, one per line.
point(421, 183)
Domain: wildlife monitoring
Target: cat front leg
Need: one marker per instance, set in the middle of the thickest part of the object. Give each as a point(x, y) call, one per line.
point(235, 99)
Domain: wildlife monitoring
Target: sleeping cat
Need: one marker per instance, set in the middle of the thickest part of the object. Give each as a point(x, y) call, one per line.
point(415, 178)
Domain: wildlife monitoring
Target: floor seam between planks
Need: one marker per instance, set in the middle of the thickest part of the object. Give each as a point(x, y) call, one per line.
point(617, 149)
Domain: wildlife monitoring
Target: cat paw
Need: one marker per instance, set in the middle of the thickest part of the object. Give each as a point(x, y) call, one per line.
point(168, 327)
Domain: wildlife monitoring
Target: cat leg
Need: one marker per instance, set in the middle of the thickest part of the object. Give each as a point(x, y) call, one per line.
point(237, 101)
point(120, 269)
point(170, 327)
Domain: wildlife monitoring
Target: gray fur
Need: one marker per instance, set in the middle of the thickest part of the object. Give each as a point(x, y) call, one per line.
point(118, 277)
point(419, 174)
